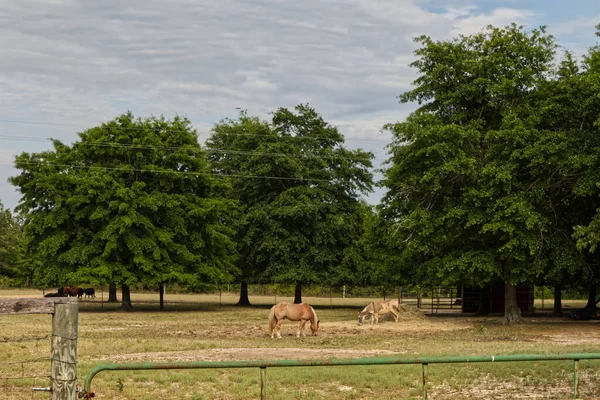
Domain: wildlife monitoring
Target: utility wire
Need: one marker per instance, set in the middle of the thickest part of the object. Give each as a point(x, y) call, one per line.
point(171, 171)
point(135, 128)
point(202, 150)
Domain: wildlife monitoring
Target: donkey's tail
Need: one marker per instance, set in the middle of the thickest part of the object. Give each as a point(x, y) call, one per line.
point(272, 320)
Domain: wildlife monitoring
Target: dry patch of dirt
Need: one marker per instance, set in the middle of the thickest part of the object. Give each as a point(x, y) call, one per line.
point(570, 339)
point(236, 354)
point(487, 387)
point(410, 320)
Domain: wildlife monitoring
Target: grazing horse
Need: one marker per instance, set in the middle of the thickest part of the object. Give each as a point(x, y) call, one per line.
point(378, 308)
point(294, 312)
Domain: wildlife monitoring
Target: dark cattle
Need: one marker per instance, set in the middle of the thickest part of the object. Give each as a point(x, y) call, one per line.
point(79, 293)
point(71, 291)
point(61, 291)
point(90, 292)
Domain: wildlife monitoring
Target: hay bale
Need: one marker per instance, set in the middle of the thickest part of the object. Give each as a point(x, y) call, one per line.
point(408, 312)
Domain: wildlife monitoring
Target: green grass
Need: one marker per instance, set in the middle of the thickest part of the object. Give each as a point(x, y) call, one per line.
point(199, 328)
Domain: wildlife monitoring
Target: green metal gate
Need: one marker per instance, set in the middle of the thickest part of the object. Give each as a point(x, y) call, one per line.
point(263, 365)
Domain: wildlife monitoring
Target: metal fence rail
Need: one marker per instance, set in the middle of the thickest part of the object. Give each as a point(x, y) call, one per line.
point(263, 365)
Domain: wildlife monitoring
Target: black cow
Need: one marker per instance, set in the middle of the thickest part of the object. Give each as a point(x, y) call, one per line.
point(90, 292)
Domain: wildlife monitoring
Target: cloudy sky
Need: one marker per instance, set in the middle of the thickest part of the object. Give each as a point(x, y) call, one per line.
point(67, 65)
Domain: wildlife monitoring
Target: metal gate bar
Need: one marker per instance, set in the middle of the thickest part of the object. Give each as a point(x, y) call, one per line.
point(263, 365)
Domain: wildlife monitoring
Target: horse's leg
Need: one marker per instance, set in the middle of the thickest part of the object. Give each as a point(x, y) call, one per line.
point(279, 331)
point(278, 326)
point(301, 328)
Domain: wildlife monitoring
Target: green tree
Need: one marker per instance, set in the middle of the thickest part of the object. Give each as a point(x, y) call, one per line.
point(577, 111)
point(459, 177)
point(11, 240)
point(298, 188)
point(131, 202)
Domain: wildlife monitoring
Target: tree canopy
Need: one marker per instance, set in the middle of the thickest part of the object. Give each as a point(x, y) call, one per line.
point(133, 201)
point(298, 189)
point(11, 246)
point(460, 176)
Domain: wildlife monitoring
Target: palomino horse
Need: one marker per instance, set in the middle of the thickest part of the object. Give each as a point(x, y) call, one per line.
point(378, 308)
point(294, 312)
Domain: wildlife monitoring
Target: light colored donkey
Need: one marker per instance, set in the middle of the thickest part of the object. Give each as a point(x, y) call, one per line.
point(377, 309)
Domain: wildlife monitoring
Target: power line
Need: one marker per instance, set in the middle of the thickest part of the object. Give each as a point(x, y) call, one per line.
point(132, 128)
point(210, 151)
point(173, 172)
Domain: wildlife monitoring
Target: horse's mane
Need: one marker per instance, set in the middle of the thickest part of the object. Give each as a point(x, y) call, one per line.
point(314, 314)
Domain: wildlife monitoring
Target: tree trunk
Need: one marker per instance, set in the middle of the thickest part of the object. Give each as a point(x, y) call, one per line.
point(112, 293)
point(592, 297)
point(512, 312)
point(244, 299)
point(557, 311)
point(298, 293)
point(161, 295)
point(126, 298)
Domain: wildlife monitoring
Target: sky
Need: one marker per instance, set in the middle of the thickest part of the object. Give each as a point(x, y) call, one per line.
point(69, 65)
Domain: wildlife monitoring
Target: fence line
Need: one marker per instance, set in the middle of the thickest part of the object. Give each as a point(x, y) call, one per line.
point(23, 376)
point(63, 359)
point(263, 365)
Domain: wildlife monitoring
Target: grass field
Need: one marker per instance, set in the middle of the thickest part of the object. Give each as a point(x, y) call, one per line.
point(204, 328)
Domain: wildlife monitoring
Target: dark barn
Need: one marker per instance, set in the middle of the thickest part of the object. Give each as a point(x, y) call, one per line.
point(490, 299)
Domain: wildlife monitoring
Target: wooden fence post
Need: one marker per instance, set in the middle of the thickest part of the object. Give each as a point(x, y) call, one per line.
point(64, 351)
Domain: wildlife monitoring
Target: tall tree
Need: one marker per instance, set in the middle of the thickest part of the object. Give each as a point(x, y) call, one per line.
point(298, 189)
point(459, 179)
point(132, 201)
point(564, 163)
point(581, 170)
point(11, 240)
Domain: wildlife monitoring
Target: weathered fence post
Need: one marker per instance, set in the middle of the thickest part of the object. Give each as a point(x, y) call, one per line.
point(64, 351)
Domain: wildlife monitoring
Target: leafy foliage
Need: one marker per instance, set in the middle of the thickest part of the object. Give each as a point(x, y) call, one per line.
point(298, 190)
point(461, 189)
point(11, 247)
point(131, 202)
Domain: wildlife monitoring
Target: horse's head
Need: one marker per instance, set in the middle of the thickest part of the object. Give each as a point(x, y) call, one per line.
point(314, 327)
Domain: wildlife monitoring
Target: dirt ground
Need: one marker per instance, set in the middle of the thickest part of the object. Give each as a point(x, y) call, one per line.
point(412, 323)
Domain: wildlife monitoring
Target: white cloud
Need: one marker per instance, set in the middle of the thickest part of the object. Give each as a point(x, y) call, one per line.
point(468, 21)
point(577, 25)
point(80, 63)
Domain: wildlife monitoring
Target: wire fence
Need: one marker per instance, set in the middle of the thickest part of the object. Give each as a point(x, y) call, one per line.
point(19, 377)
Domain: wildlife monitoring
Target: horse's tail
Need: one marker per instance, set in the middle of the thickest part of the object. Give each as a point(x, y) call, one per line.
point(272, 320)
